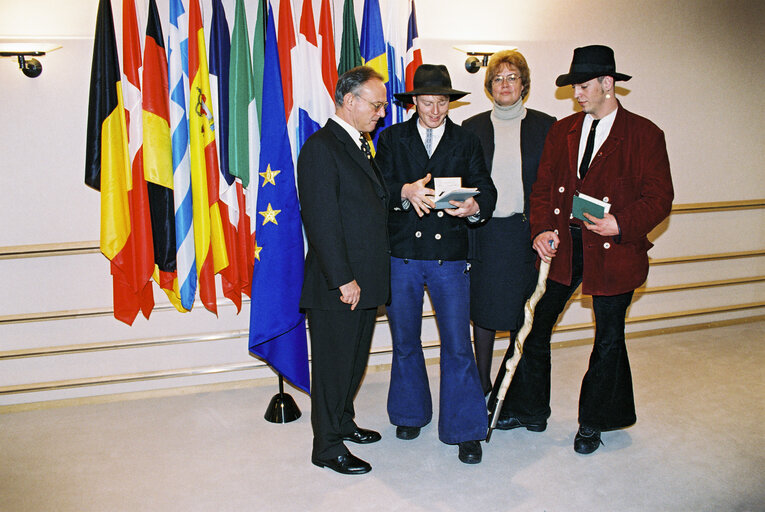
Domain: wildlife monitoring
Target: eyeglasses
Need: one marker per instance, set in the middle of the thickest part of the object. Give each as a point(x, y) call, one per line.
point(377, 105)
point(510, 79)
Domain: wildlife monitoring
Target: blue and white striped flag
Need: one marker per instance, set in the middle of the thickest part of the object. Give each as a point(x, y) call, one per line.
point(178, 81)
point(395, 43)
point(314, 103)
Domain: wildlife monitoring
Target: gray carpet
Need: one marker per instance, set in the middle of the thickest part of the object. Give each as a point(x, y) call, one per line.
point(698, 445)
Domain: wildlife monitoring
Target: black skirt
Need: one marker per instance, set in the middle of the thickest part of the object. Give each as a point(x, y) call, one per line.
point(502, 274)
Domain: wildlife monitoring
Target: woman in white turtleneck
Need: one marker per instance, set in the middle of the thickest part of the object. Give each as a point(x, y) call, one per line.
point(503, 271)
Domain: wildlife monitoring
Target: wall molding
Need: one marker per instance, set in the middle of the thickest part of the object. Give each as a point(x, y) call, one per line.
point(216, 336)
point(92, 246)
point(107, 311)
point(236, 367)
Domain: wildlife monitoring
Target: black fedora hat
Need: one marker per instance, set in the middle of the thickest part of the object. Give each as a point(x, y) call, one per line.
point(431, 79)
point(591, 62)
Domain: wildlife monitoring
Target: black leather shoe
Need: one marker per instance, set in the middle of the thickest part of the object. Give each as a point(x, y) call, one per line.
point(470, 452)
point(407, 433)
point(587, 440)
point(511, 423)
point(362, 436)
point(347, 464)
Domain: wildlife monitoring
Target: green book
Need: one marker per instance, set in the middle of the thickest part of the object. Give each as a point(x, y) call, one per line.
point(585, 204)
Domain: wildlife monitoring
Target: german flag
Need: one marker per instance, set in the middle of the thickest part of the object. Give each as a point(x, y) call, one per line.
point(158, 157)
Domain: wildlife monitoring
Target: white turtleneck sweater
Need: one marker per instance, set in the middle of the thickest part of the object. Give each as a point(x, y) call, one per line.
point(506, 166)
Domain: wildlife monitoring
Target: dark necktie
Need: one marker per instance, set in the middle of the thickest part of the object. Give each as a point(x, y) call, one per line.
point(588, 150)
point(365, 148)
point(368, 153)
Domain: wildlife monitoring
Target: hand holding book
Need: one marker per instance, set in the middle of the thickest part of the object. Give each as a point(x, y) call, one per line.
point(586, 204)
point(451, 189)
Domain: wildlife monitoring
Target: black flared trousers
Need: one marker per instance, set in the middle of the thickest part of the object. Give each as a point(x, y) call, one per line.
point(606, 400)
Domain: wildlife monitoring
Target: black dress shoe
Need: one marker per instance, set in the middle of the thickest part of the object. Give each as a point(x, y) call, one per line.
point(407, 433)
point(470, 452)
point(587, 440)
point(511, 423)
point(362, 436)
point(347, 464)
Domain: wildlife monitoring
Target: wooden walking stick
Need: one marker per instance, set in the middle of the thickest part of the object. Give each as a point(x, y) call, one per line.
point(512, 363)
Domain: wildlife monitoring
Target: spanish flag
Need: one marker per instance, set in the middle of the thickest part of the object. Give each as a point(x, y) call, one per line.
point(208, 229)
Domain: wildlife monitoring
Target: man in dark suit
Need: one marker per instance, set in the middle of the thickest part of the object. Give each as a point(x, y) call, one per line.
point(619, 158)
point(344, 207)
point(429, 247)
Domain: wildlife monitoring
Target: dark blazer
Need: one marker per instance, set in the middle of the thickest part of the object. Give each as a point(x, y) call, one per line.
point(344, 206)
point(630, 171)
point(403, 159)
point(534, 129)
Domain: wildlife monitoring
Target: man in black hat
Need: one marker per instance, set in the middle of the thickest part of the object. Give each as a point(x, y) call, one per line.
point(619, 159)
point(429, 247)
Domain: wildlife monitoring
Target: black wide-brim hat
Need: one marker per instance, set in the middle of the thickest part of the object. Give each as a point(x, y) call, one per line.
point(431, 79)
point(591, 62)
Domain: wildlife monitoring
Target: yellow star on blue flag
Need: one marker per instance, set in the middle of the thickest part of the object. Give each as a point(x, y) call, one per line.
point(269, 175)
point(270, 215)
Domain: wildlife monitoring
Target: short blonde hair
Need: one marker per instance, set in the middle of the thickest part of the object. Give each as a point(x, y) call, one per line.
point(509, 57)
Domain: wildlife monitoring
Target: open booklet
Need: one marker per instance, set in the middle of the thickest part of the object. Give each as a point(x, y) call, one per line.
point(586, 204)
point(450, 189)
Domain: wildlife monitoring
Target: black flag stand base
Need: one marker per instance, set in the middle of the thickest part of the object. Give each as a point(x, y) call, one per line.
point(282, 408)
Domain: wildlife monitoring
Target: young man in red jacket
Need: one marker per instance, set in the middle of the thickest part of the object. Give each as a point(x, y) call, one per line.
point(620, 158)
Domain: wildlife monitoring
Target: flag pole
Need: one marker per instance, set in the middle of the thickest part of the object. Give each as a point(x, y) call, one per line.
point(282, 408)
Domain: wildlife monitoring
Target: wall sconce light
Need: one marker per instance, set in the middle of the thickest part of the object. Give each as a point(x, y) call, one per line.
point(473, 63)
point(24, 52)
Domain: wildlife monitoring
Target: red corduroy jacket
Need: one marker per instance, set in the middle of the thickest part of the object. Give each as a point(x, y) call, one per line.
point(631, 172)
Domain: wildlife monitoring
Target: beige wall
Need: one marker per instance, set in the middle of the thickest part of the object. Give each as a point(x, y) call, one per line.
point(698, 74)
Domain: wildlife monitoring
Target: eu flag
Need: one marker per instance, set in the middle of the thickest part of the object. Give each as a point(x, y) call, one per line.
point(277, 327)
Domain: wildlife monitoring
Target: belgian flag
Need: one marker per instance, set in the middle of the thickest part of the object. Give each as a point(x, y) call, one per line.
point(107, 164)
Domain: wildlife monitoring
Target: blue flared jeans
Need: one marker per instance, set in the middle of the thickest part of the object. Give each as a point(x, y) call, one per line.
point(462, 414)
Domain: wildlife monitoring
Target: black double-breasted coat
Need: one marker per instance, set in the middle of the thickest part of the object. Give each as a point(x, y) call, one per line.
point(403, 159)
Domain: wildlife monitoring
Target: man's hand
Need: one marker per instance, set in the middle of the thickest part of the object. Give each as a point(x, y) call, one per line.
point(465, 208)
point(350, 293)
point(419, 195)
point(607, 226)
point(544, 247)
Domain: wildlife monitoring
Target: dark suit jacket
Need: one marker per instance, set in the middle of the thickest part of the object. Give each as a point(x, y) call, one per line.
point(630, 171)
point(402, 159)
point(344, 208)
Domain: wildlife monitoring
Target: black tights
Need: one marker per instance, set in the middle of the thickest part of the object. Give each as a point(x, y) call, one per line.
point(484, 352)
